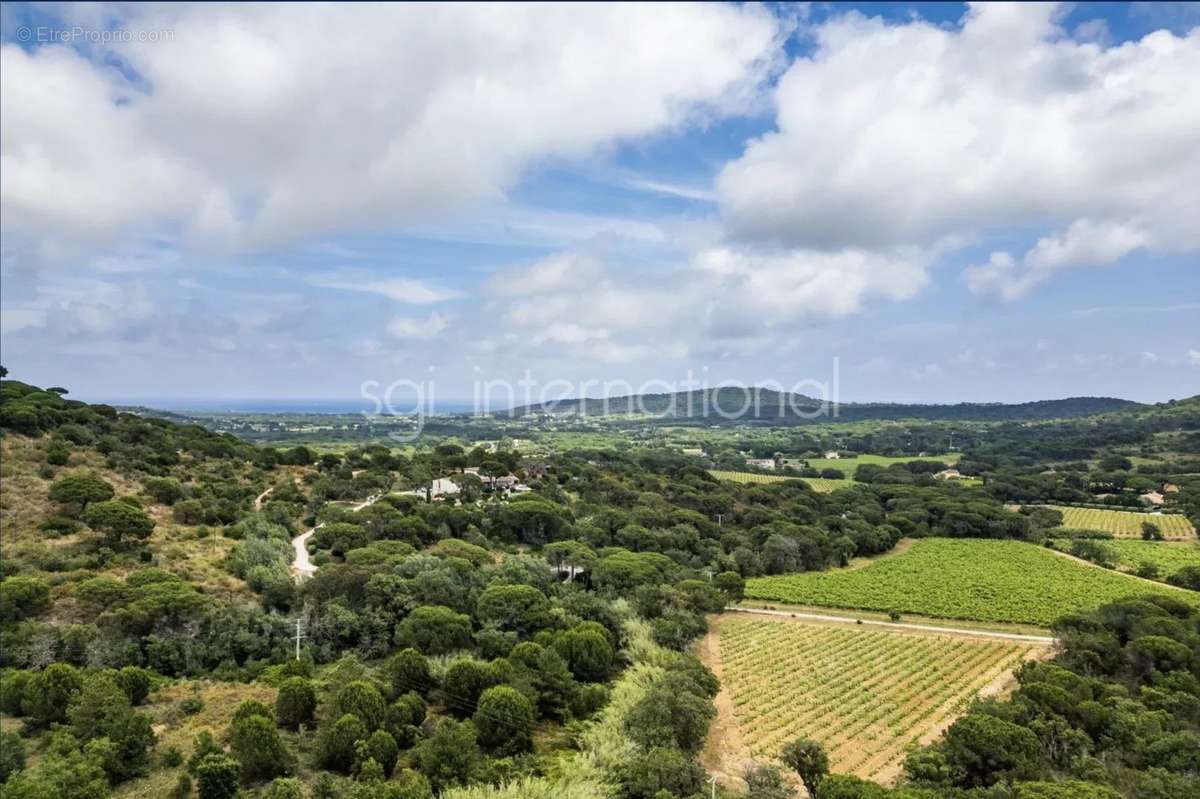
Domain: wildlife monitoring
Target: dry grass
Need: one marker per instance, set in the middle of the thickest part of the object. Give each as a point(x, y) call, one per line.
point(175, 728)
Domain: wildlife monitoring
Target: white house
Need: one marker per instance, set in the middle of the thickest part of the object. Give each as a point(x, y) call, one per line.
point(832, 455)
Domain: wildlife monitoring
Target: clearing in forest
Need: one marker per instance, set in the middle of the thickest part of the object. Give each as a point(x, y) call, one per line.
point(866, 695)
point(964, 578)
point(818, 484)
point(1124, 523)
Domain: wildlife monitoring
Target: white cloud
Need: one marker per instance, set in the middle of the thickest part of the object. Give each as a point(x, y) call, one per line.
point(406, 290)
point(906, 135)
point(415, 328)
point(254, 125)
point(1084, 243)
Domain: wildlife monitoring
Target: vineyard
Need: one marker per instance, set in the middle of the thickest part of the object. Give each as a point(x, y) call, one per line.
point(818, 484)
point(958, 578)
point(865, 695)
point(1123, 523)
point(1168, 556)
point(848, 465)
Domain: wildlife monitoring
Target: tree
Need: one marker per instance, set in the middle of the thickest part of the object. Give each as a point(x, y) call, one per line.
point(22, 597)
point(408, 670)
point(808, 759)
point(1150, 532)
point(670, 714)
point(217, 777)
point(165, 490)
point(765, 782)
point(504, 721)
point(434, 629)
point(1187, 577)
point(12, 754)
point(362, 700)
point(450, 755)
point(117, 520)
point(256, 744)
point(135, 682)
point(102, 709)
point(49, 692)
point(463, 683)
point(404, 718)
point(732, 585)
point(381, 747)
point(588, 653)
point(520, 608)
point(77, 491)
point(296, 703)
point(982, 749)
point(659, 772)
point(337, 744)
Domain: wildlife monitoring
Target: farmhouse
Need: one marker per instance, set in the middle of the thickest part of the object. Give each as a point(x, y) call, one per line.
point(948, 474)
point(832, 455)
point(1170, 488)
point(762, 463)
point(1152, 498)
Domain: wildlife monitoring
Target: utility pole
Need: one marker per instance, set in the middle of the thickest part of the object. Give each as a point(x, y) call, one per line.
point(713, 782)
point(719, 517)
point(299, 635)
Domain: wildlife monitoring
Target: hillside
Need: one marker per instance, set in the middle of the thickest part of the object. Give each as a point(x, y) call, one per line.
point(769, 406)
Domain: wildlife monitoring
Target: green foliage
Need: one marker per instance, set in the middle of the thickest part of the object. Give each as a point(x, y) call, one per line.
point(217, 777)
point(435, 630)
point(808, 759)
point(118, 520)
point(504, 721)
point(520, 608)
point(362, 700)
point(12, 754)
point(408, 670)
point(381, 747)
point(102, 709)
point(588, 653)
point(22, 597)
point(65, 772)
point(48, 693)
point(337, 752)
point(463, 683)
point(982, 749)
point(78, 491)
point(1004, 581)
point(296, 703)
point(255, 742)
point(450, 756)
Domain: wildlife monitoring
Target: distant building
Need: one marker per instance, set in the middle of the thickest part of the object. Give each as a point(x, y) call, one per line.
point(1170, 488)
point(693, 451)
point(443, 487)
point(1152, 498)
point(948, 474)
point(762, 463)
point(833, 455)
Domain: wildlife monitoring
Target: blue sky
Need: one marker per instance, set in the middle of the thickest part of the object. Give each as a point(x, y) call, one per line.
point(956, 203)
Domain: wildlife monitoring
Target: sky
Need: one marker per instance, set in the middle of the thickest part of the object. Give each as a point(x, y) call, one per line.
point(923, 202)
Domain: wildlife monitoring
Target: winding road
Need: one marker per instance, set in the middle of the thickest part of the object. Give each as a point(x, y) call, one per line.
point(302, 566)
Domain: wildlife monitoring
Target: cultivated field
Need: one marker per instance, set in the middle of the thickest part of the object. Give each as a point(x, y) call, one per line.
point(1168, 556)
point(865, 694)
point(848, 465)
point(820, 484)
point(1123, 523)
point(977, 579)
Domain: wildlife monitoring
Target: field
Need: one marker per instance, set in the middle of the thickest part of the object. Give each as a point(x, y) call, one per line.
point(1168, 556)
point(977, 579)
point(819, 484)
point(848, 465)
point(1123, 523)
point(865, 694)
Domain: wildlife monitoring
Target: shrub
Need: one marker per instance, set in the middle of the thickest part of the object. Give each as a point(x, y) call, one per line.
point(296, 703)
point(504, 721)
